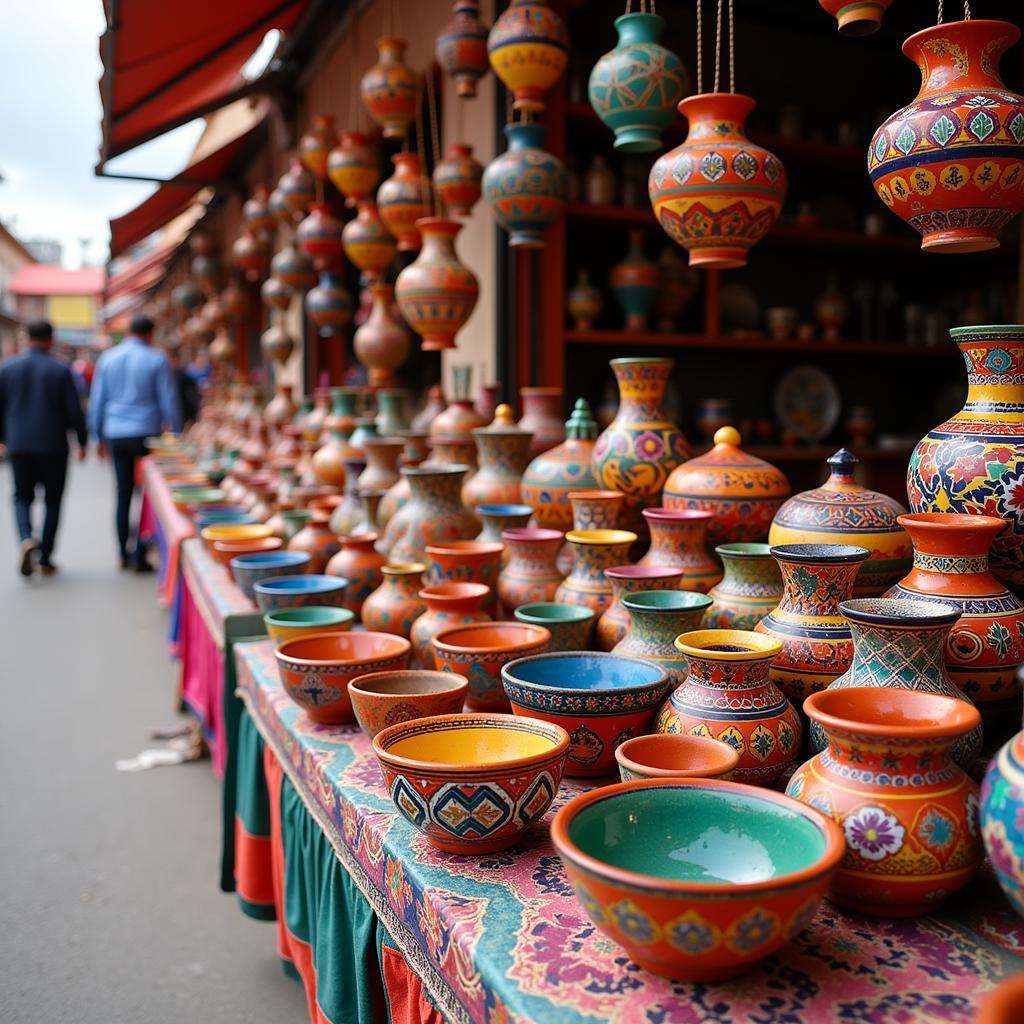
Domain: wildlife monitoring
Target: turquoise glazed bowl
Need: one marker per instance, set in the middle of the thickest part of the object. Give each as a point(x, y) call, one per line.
point(571, 625)
point(600, 699)
point(299, 591)
point(248, 570)
point(291, 623)
point(696, 879)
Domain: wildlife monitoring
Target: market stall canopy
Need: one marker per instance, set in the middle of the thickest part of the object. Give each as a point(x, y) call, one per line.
point(167, 64)
point(44, 279)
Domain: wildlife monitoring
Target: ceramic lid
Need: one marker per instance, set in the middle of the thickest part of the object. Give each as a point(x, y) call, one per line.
point(727, 471)
point(503, 423)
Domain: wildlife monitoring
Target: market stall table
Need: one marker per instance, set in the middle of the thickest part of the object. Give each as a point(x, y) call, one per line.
point(503, 938)
point(161, 522)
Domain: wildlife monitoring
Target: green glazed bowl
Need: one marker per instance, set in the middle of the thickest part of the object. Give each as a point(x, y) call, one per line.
point(289, 623)
point(571, 626)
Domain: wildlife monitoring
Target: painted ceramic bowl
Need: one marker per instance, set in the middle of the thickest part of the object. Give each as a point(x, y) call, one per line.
point(382, 699)
point(234, 531)
point(697, 879)
point(571, 625)
point(675, 756)
point(291, 623)
point(600, 699)
point(256, 566)
point(316, 670)
point(182, 497)
point(223, 519)
point(298, 591)
point(478, 651)
point(472, 784)
point(226, 550)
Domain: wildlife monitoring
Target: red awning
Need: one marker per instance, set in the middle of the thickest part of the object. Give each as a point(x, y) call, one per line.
point(167, 64)
point(141, 274)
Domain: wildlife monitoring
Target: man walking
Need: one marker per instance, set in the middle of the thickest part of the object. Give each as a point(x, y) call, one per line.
point(39, 404)
point(134, 396)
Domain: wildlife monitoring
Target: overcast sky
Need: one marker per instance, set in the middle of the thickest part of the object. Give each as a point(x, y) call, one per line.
point(50, 129)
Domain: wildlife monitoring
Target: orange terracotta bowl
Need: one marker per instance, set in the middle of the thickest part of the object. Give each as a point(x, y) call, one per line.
point(675, 756)
point(225, 550)
point(696, 879)
point(316, 670)
point(472, 784)
point(1004, 1004)
point(478, 651)
point(380, 699)
point(324, 502)
point(233, 531)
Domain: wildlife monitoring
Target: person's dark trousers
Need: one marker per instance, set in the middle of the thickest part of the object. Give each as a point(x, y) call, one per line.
point(32, 470)
point(125, 453)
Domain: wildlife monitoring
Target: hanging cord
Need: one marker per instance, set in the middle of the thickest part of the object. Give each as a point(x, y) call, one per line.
point(700, 48)
point(355, 105)
point(718, 45)
point(421, 122)
point(732, 49)
point(435, 135)
point(967, 10)
point(938, 16)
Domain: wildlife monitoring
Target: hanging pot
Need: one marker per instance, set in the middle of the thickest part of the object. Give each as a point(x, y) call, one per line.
point(277, 344)
point(529, 49)
point(381, 343)
point(402, 200)
point(390, 89)
point(368, 243)
point(276, 294)
point(250, 254)
point(294, 268)
point(316, 144)
point(354, 167)
point(281, 209)
point(329, 305)
point(319, 237)
point(187, 297)
point(457, 180)
point(461, 48)
point(256, 212)
point(856, 17)
point(297, 188)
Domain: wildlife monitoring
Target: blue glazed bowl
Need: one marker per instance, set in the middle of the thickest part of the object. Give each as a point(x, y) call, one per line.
point(298, 591)
point(248, 570)
point(218, 518)
point(600, 699)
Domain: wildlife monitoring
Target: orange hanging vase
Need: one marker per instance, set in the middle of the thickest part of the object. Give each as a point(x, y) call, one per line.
point(354, 167)
point(457, 180)
point(389, 89)
point(381, 343)
point(316, 144)
point(403, 199)
point(368, 243)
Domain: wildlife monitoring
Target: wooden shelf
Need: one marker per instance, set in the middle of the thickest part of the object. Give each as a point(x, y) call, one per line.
point(812, 349)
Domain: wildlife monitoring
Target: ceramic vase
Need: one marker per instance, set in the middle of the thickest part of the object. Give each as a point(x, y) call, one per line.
point(277, 344)
point(860, 18)
point(403, 199)
point(390, 90)
point(457, 180)
point(641, 446)
point(382, 455)
point(368, 243)
point(503, 450)
point(436, 293)
point(729, 695)
point(842, 511)
point(297, 189)
point(448, 604)
point(316, 538)
point(543, 409)
point(360, 563)
point(434, 404)
point(329, 306)
point(750, 588)
point(461, 48)
point(625, 580)
point(525, 186)
point(678, 538)
point(635, 282)
point(816, 643)
point(1002, 827)
point(319, 237)
point(348, 511)
point(680, 284)
point(531, 574)
point(390, 419)
point(528, 47)
point(434, 513)
point(635, 88)
point(499, 518)
point(381, 342)
point(365, 430)
point(717, 194)
point(294, 268)
point(986, 646)
point(584, 302)
point(276, 294)
point(656, 618)
point(742, 491)
point(908, 812)
point(571, 626)
point(354, 167)
point(591, 510)
point(369, 502)
point(595, 551)
point(459, 418)
point(467, 561)
point(949, 163)
point(901, 644)
point(316, 143)
point(396, 604)
point(974, 461)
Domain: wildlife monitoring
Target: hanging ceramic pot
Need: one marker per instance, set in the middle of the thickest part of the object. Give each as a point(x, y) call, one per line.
point(360, 563)
point(749, 590)
point(319, 237)
point(294, 268)
point(656, 618)
point(316, 144)
point(525, 186)
point(859, 18)
point(641, 446)
point(436, 293)
point(841, 511)
point(499, 518)
point(316, 539)
point(528, 48)
point(503, 450)
point(282, 211)
point(448, 604)
point(741, 490)
point(729, 695)
point(276, 343)
point(381, 342)
point(584, 302)
point(329, 305)
point(717, 194)
point(986, 646)
point(461, 48)
point(251, 254)
point(595, 551)
point(908, 812)
point(816, 645)
point(1002, 828)
point(368, 243)
point(974, 462)
point(531, 574)
point(354, 167)
point(396, 604)
point(297, 189)
point(625, 580)
point(434, 513)
point(403, 199)
point(543, 409)
point(256, 212)
point(678, 541)
point(635, 88)
point(390, 89)
point(950, 163)
point(457, 180)
point(276, 294)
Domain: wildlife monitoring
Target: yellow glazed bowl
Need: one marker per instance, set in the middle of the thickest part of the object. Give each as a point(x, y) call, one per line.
point(234, 531)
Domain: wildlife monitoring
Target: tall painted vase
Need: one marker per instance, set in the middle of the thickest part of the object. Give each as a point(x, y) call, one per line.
point(1002, 826)
point(503, 451)
point(677, 541)
point(656, 618)
point(433, 514)
point(595, 551)
point(750, 588)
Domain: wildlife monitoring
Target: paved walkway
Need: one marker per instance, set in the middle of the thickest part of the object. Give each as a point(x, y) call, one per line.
point(109, 903)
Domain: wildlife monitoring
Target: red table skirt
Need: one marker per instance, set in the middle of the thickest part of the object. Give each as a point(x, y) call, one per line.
point(202, 677)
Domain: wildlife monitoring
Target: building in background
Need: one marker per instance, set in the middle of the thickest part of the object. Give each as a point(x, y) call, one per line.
point(69, 299)
point(13, 257)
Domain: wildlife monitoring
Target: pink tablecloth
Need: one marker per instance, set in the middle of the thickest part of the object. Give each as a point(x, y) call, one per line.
point(202, 677)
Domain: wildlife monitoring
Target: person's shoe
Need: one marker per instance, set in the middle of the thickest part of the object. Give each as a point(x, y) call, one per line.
point(47, 568)
point(144, 567)
point(28, 549)
point(126, 562)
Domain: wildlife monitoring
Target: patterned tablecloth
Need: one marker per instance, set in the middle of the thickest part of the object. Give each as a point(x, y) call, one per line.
point(503, 938)
point(159, 519)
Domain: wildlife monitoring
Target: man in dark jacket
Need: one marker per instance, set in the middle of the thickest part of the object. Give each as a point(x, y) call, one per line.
point(38, 406)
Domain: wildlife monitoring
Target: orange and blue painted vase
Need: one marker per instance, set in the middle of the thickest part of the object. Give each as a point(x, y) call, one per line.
point(528, 48)
point(1002, 826)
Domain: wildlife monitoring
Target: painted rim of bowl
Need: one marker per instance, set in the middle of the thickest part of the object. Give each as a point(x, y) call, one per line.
point(576, 613)
point(702, 643)
point(900, 611)
point(291, 618)
point(297, 664)
point(654, 686)
point(324, 585)
point(475, 627)
point(832, 554)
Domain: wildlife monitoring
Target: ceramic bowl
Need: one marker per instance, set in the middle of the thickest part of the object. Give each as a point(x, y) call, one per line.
point(600, 699)
point(291, 623)
point(298, 591)
point(571, 625)
point(478, 651)
point(316, 670)
point(472, 784)
point(223, 519)
point(254, 567)
point(381, 699)
point(182, 497)
point(234, 531)
point(697, 879)
point(466, 561)
point(226, 550)
point(675, 756)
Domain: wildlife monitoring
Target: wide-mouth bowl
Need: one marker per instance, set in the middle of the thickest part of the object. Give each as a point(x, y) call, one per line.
point(450, 593)
point(408, 683)
point(469, 742)
point(832, 553)
point(584, 672)
point(325, 650)
point(235, 531)
point(310, 616)
point(727, 645)
point(667, 601)
point(313, 583)
point(900, 611)
point(888, 712)
point(676, 755)
point(600, 537)
point(699, 836)
point(490, 636)
point(254, 561)
point(545, 613)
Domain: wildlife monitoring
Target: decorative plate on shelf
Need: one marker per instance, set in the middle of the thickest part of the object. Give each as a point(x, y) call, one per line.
point(807, 402)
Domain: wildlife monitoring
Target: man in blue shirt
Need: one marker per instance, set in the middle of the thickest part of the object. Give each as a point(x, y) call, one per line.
point(134, 396)
point(38, 406)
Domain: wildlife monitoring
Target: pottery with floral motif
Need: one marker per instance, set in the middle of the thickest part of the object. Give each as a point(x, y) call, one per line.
point(678, 540)
point(750, 588)
point(503, 452)
point(594, 551)
point(448, 604)
point(656, 618)
point(531, 574)
point(625, 580)
point(360, 563)
point(396, 604)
